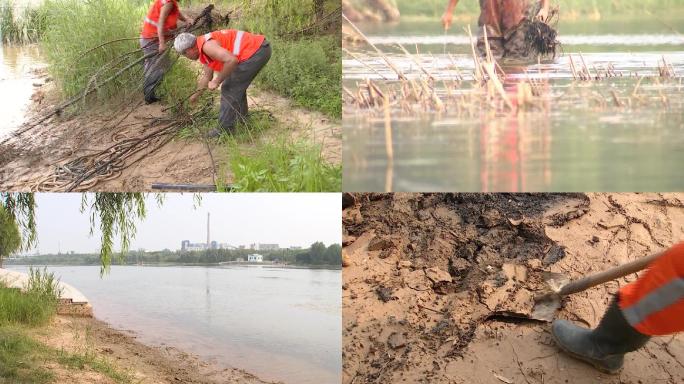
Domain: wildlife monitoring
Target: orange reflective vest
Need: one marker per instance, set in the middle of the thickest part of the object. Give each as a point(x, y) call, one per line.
point(240, 43)
point(654, 303)
point(149, 29)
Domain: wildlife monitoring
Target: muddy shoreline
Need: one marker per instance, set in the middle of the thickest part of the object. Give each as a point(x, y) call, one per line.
point(148, 364)
point(428, 297)
point(46, 157)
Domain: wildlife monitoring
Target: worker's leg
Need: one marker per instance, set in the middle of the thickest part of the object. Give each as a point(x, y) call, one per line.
point(515, 24)
point(515, 46)
point(154, 68)
point(490, 21)
point(652, 305)
point(234, 89)
point(604, 347)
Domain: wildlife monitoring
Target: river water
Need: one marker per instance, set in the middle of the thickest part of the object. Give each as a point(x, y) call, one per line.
point(278, 323)
point(16, 84)
point(573, 145)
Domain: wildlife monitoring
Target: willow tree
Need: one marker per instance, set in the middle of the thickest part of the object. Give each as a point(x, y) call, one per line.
point(10, 239)
point(116, 214)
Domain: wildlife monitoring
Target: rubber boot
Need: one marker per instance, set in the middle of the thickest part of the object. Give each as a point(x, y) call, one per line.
point(604, 347)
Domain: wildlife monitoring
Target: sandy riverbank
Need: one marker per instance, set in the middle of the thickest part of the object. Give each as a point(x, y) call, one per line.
point(419, 307)
point(146, 364)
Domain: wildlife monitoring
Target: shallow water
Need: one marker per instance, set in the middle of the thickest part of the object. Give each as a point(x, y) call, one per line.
point(280, 324)
point(16, 84)
point(577, 144)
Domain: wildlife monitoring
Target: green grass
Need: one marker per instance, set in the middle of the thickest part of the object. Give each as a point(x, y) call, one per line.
point(178, 82)
point(76, 27)
point(85, 360)
point(34, 307)
point(282, 165)
point(309, 71)
point(23, 360)
point(21, 25)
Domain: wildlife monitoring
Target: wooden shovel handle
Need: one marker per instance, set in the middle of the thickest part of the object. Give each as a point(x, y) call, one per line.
point(605, 276)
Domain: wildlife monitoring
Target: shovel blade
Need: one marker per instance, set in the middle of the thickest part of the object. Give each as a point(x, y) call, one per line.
point(546, 305)
point(545, 309)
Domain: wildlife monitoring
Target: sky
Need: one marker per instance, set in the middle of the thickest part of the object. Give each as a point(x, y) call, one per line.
point(296, 219)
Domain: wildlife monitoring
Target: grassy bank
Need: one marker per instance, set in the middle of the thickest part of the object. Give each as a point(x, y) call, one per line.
point(23, 359)
point(309, 71)
point(306, 67)
point(283, 165)
point(35, 306)
point(89, 43)
point(77, 28)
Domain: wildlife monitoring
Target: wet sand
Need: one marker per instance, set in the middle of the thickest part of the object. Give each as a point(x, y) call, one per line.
point(146, 364)
point(419, 306)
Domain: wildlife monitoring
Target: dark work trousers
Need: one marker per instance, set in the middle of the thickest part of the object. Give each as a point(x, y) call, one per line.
point(234, 88)
point(155, 67)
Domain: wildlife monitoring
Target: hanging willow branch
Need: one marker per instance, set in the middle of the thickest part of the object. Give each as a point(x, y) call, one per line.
point(117, 214)
point(21, 207)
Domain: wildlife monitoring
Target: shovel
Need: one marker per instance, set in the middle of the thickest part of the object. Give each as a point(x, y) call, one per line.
point(559, 286)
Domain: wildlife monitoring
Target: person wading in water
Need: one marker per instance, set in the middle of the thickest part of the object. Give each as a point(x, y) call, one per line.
point(506, 23)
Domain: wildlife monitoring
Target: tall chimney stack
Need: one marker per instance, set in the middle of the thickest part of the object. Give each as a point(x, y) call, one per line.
point(208, 238)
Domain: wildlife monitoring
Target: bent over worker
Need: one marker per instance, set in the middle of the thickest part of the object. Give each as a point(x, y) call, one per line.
point(158, 26)
point(502, 20)
point(653, 305)
point(236, 57)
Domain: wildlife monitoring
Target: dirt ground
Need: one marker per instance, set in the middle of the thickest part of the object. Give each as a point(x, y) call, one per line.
point(32, 161)
point(436, 287)
point(146, 364)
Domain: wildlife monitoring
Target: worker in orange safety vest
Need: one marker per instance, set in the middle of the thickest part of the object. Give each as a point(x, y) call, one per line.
point(236, 57)
point(653, 305)
point(159, 24)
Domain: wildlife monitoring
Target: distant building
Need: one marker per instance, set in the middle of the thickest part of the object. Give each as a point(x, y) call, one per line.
point(242, 247)
point(295, 247)
point(187, 246)
point(255, 258)
point(268, 247)
point(214, 245)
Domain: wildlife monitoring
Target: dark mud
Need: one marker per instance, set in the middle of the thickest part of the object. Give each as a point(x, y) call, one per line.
point(435, 266)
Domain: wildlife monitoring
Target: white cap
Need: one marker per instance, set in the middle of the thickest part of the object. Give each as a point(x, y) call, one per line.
point(184, 41)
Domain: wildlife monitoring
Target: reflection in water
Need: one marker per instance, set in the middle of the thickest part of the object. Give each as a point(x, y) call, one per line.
point(16, 84)
point(285, 328)
point(618, 134)
point(573, 144)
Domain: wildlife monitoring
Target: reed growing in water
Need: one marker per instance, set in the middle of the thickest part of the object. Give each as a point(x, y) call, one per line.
point(21, 24)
